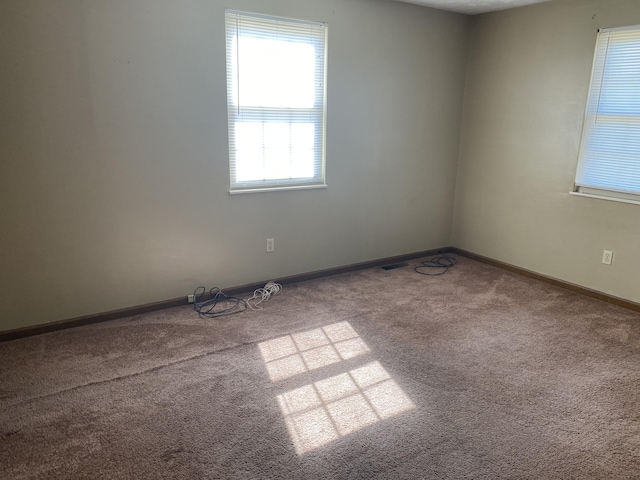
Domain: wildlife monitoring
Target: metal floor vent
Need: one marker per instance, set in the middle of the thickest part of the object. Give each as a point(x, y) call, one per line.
point(395, 265)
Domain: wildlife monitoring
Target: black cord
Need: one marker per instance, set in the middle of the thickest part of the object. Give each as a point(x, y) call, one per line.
point(218, 305)
point(442, 262)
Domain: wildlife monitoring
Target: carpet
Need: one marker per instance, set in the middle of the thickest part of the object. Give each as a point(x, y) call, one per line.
point(476, 374)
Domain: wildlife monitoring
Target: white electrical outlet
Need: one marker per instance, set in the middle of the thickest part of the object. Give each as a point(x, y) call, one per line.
point(607, 257)
point(191, 298)
point(271, 245)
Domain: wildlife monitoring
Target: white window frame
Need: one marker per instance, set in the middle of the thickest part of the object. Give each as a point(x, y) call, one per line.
point(259, 116)
point(607, 168)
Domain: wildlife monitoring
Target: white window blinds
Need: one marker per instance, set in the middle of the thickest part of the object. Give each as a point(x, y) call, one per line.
point(609, 162)
point(276, 102)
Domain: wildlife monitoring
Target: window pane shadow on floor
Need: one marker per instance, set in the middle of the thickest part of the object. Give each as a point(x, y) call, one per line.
point(321, 412)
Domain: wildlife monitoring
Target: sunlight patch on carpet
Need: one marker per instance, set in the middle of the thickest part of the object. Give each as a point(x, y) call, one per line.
point(323, 411)
point(292, 355)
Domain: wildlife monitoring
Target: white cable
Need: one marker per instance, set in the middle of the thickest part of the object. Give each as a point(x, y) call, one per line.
point(264, 294)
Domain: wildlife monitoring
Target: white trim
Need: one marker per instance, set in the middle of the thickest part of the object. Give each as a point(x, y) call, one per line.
point(607, 192)
point(277, 189)
point(603, 197)
point(271, 17)
point(619, 29)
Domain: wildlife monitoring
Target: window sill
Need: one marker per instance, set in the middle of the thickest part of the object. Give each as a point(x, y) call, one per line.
point(604, 197)
point(276, 189)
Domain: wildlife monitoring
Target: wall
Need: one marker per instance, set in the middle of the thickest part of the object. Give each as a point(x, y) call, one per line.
point(114, 155)
point(527, 83)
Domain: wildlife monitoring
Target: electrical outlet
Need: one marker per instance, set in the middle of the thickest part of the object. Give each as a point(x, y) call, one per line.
point(271, 245)
point(191, 298)
point(607, 257)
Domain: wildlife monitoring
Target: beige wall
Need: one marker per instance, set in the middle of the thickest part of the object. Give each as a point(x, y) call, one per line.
point(526, 91)
point(113, 150)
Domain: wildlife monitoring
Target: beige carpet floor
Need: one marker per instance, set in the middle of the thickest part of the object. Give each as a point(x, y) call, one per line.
point(476, 374)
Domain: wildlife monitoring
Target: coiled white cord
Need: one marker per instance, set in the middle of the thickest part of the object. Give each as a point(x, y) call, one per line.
point(263, 294)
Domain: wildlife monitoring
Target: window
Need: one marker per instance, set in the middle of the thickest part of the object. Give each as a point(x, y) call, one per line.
point(609, 164)
point(276, 102)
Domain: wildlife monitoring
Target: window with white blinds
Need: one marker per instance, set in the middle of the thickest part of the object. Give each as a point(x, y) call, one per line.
point(276, 102)
point(609, 164)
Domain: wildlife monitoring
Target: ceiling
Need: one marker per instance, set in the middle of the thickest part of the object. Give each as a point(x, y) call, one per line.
point(473, 7)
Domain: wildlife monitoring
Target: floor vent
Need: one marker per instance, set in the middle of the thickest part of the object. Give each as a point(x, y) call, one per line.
point(395, 265)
